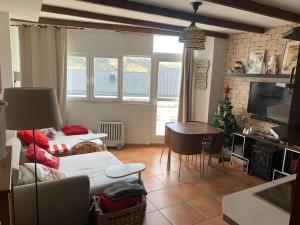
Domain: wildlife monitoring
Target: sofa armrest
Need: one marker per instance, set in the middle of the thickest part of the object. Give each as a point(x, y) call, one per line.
point(61, 202)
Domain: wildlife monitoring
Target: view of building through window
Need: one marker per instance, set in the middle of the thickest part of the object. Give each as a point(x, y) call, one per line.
point(136, 78)
point(77, 76)
point(106, 77)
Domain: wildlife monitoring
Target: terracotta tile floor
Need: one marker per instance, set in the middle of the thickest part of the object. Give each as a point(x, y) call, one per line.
point(192, 200)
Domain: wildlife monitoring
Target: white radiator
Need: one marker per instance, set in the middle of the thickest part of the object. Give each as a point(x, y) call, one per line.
point(115, 131)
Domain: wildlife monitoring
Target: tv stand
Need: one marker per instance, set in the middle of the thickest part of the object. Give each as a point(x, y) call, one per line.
point(258, 153)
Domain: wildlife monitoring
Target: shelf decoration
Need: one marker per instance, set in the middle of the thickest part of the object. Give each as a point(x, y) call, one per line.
point(290, 57)
point(255, 62)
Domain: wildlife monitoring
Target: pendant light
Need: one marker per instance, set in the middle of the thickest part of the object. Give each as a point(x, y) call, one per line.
point(192, 36)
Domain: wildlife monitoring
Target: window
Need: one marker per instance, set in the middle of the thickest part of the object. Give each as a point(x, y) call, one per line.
point(106, 77)
point(136, 78)
point(77, 76)
point(167, 44)
point(168, 86)
point(169, 76)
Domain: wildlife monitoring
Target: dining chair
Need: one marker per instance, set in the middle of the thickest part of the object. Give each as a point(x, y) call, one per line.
point(185, 144)
point(167, 140)
point(214, 146)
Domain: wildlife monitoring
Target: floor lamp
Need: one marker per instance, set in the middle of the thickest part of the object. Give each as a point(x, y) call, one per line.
point(30, 109)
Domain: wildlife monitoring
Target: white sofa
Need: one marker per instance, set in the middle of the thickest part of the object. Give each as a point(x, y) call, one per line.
point(63, 202)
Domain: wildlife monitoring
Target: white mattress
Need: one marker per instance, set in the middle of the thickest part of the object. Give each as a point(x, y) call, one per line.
point(93, 165)
point(72, 140)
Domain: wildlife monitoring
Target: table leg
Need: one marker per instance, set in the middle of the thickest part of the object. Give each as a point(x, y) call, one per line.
point(140, 180)
point(169, 160)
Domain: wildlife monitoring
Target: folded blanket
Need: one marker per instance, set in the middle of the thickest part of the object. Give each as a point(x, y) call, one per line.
point(74, 130)
point(121, 190)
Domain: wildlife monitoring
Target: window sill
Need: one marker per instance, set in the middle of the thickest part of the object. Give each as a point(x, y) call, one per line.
point(108, 101)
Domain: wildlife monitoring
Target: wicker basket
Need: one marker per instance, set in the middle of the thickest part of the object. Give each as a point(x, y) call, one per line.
point(130, 216)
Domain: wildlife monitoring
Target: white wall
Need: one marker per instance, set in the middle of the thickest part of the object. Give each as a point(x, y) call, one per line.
point(5, 51)
point(109, 42)
point(206, 100)
point(137, 117)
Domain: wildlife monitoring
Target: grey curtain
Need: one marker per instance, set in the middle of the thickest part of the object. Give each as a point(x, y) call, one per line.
point(43, 59)
point(186, 89)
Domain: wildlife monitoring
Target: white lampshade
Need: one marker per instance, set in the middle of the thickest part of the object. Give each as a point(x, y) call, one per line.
point(31, 108)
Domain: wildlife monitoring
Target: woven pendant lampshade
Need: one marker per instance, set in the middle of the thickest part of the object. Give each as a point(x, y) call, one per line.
point(192, 36)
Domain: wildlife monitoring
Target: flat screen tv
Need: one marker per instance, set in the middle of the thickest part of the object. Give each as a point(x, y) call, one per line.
point(269, 102)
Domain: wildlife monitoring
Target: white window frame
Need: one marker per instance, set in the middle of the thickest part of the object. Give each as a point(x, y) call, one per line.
point(92, 88)
point(160, 57)
point(150, 101)
point(75, 98)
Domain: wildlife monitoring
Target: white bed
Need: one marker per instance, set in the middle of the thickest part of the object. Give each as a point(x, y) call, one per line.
point(93, 165)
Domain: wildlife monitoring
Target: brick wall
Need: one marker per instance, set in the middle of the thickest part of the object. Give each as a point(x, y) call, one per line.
point(238, 48)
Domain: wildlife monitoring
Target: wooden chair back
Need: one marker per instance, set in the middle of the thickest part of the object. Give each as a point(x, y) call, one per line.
point(167, 135)
point(217, 143)
point(185, 144)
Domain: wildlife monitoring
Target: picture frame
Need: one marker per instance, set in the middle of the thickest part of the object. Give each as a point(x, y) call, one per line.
point(255, 62)
point(290, 56)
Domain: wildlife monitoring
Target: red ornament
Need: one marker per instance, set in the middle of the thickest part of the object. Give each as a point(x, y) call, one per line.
point(227, 90)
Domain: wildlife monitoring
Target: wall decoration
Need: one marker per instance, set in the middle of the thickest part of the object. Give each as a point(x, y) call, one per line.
point(290, 56)
point(255, 62)
point(200, 73)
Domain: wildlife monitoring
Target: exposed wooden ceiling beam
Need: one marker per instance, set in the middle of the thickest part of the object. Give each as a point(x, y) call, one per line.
point(143, 23)
point(105, 17)
point(259, 8)
point(115, 27)
point(156, 10)
point(104, 26)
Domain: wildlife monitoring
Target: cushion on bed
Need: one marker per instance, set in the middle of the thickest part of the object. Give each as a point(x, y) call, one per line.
point(42, 156)
point(40, 139)
point(74, 130)
point(45, 173)
point(85, 147)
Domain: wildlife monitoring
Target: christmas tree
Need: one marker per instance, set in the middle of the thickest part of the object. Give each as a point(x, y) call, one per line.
point(224, 118)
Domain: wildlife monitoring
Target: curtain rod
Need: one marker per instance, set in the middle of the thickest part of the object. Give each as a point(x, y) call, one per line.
point(45, 26)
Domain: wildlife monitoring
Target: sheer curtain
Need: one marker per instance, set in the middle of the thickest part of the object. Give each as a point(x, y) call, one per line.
point(43, 59)
point(185, 107)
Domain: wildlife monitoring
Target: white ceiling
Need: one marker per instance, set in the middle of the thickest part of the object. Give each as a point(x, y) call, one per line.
point(22, 9)
point(207, 9)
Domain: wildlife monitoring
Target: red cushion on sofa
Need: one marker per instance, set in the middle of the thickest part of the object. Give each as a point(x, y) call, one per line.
point(40, 139)
point(112, 206)
point(74, 130)
point(42, 156)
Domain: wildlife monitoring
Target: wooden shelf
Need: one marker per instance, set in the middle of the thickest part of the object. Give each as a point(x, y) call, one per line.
point(271, 76)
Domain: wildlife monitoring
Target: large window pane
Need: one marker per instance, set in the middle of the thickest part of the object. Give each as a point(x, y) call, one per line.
point(136, 78)
point(169, 75)
point(167, 44)
point(166, 111)
point(105, 77)
point(77, 76)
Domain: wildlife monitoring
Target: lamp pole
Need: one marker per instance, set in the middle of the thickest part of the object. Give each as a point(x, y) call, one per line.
point(36, 182)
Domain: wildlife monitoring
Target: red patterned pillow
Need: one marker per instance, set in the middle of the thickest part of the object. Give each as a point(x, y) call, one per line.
point(40, 139)
point(42, 156)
